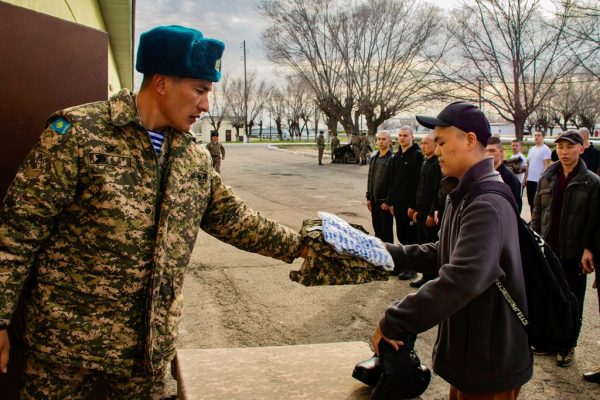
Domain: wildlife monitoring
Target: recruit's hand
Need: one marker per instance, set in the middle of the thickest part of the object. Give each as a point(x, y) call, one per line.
point(436, 217)
point(414, 216)
point(587, 262)
point(378, 336)
point(410, 212)
point(4, 350)
point(392, 210)
point(369, 204)
point(431, 221)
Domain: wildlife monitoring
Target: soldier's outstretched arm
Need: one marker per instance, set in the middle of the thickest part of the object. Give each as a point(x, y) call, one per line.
point(229, 219)
point(44, 183)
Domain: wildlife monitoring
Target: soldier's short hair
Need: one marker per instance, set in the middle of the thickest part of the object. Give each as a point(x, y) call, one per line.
point(384, 133)
point(494, 140)
point(584, 132)
point(407, 128)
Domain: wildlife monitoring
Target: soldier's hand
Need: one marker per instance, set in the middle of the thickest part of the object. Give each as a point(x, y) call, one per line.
point(410, 212)
point(305, 251)
point(4, 350)
point(414, 216)
point(392, 210)
point(369, 204)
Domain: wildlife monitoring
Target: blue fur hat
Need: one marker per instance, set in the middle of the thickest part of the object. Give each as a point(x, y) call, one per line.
point(179, 51)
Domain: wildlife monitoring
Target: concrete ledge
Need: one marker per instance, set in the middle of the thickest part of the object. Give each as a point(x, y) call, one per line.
point(316, 371)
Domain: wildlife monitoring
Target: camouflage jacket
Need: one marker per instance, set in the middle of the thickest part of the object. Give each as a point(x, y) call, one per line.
point(321, 141)
point(324, 266)
point(107, 241)
point(335, 143)
point(216, 150)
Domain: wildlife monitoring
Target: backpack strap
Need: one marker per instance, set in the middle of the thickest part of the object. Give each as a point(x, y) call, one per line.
point(503, 190)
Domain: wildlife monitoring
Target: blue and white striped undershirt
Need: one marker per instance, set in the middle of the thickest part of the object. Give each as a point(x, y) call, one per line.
point(157, 139)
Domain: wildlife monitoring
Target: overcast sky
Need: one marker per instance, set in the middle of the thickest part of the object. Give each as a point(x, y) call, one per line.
point(231, 22)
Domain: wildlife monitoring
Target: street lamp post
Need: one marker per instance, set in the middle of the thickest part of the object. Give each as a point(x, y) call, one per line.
point(245, 97)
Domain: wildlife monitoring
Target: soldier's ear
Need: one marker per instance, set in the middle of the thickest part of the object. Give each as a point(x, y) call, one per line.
point(160, 83)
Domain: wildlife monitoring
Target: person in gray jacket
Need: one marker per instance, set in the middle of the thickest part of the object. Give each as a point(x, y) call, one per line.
point(565, 214)
point(482, 349)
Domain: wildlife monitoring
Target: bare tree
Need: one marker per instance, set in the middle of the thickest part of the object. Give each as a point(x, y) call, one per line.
point(299, 37)
point(512, 56)
point(277, 108)
point(257, 93)
point(583, 32)
point(389, 49)
point(218, 104)
point(360, 57)
point(234, 96)
point(574, 102)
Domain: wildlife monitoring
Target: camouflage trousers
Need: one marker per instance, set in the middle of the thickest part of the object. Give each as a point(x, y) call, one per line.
point(217, 164)
point(48, 380)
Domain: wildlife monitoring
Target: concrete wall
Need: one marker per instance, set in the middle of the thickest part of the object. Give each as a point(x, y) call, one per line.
point(83, 12)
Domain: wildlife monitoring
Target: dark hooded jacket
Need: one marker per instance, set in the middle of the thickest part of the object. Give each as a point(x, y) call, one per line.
point(406, 168)
point(481, 345)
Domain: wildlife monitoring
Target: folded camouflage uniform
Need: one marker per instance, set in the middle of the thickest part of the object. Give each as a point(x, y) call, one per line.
point(324, 266)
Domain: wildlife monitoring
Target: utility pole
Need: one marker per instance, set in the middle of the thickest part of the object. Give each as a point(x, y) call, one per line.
point(247, 138)
point(479, 79)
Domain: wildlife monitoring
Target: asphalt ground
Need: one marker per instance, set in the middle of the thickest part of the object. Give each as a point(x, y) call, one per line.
point(238, 299)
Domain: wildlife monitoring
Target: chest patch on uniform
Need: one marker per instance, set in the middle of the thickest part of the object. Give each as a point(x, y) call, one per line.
point(201, 176)
point(109, 159)
point(61, 126)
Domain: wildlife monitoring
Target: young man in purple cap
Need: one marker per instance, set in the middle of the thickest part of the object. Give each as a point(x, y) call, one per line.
point(565, 214)
point(103, 214)
point(482, 349)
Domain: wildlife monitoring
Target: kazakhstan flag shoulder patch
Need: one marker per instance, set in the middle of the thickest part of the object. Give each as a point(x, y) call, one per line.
point(61, 126)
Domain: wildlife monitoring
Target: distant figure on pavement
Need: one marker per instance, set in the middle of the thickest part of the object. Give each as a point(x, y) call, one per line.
point(335, 143)
point(216, 150)
point(320, 146)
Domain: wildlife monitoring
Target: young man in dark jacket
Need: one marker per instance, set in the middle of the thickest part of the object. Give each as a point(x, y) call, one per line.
point(428, 190)
point(406, 166)
point(482, 349)
point(565, 214)
point(378, 183)
point(495, 150)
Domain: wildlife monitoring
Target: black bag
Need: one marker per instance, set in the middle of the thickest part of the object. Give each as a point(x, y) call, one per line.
point(552, 322)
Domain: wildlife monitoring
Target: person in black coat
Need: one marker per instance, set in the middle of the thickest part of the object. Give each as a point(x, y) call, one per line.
point(428, 190)
point(591, 155)
point(406, 167)
point(378, 183)
point(494, 149)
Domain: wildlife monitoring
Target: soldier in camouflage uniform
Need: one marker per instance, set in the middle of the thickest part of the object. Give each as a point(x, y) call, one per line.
point(365, 147)
point(355, 142)
point(321, 146)
point(216, 150)
point(335, 143)
point(105, 223)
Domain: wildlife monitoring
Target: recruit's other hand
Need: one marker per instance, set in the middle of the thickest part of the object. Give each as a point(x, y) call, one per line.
point(378, 337)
